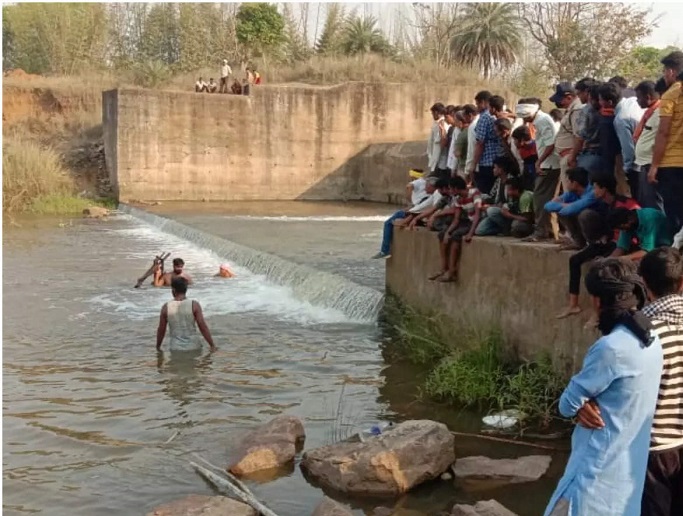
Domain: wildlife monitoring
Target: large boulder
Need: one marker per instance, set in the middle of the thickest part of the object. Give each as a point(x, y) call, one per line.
point(512, 471)
point(329, 507)
point(202, 505)
point(270, 446)
point(484, 508)
point(389, 464)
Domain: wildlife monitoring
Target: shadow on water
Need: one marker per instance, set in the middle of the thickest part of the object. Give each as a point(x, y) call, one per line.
point(181, 377)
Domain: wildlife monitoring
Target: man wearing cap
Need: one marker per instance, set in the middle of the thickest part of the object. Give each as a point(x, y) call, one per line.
point(416, 191)
point(565, 98)
point(226, 71)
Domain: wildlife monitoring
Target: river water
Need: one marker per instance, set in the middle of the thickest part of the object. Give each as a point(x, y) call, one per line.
point(89, 406)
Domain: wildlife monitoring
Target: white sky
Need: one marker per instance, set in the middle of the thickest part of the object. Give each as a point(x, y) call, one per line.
point(668, 31)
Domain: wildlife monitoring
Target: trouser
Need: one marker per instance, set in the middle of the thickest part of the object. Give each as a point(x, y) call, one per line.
point(571, 224)
point(648, 197)
point(494, 223)
point(484, 179)
point(663, 491)
point(592, 227)
point(544, 190)
point(591, 161)
point(388, 233)
point(245, 89)
point(633, 180)
point(621, 175)
point(670, 187)
point(224, 85)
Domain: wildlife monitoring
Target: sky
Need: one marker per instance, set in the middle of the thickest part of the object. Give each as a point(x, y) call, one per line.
point(667, 33)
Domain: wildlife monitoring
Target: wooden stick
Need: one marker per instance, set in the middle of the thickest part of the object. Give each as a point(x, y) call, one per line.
point(225, 472)
point(510, 441)
point(225, 484)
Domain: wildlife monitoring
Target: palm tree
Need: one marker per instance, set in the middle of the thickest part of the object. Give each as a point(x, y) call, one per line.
point(362, 36)
point(489, 36)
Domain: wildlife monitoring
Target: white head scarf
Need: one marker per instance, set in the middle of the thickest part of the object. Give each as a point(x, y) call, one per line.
point(526, 110)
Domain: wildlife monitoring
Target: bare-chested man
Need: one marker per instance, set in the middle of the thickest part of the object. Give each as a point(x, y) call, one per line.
point(164, 279)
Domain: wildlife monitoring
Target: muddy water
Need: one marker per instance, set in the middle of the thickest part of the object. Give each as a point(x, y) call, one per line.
point(88, 405)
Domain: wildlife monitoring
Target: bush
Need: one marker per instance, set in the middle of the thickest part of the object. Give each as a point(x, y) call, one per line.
point(31, 172)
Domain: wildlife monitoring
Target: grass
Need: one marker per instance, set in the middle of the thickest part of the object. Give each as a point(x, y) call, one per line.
point(34, 180)
point(470, 368)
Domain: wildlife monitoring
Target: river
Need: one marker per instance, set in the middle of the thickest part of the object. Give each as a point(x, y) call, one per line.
point(89, 406)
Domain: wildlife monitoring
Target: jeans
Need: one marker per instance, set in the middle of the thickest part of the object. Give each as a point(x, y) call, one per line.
point(484, 179)
point(670, 187)
point(494, 223)
point(663, 492)
point(389, 230)
point(590, 161)
point(648, 197)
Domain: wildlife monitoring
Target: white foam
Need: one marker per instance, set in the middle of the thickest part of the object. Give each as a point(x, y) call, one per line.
point(246, 293)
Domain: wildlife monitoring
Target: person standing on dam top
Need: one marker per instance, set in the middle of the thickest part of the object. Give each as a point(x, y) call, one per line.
point(620, 379)
point(417, 191)
point(437, 154)
point(182, 316)
point(165, 279)
point(226, 72)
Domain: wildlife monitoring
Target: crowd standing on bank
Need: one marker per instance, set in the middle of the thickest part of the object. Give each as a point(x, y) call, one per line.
point(601, 176)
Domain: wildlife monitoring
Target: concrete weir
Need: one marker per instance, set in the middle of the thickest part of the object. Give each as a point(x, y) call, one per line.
point(517, 286)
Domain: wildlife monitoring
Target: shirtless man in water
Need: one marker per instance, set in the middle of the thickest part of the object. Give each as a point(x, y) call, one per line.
point(164, 279)
point(183, 316)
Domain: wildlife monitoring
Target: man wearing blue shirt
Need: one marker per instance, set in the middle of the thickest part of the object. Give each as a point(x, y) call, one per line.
point(488, 145)
point(577, 198)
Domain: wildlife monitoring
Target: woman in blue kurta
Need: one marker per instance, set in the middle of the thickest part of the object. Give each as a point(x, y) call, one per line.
point(620, 374)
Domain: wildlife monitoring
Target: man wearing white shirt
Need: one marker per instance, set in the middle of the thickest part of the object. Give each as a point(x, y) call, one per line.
point(200, 86)
point(417, 191)
point(436, 155)
point(226, 72)
point(471, 117)
point(453, 132)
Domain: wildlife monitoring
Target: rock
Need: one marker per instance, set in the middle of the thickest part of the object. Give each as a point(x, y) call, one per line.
point(329, 507)
point(95, 212)
point(269, 446)
point(389, 464)
point(513, 471)
point(202, 505)
point(488, 508)
point(446, 476)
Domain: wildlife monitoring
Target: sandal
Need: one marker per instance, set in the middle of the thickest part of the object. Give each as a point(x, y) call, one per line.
point(447, 279)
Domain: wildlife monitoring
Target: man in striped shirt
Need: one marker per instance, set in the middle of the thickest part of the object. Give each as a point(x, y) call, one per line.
point(662, 271)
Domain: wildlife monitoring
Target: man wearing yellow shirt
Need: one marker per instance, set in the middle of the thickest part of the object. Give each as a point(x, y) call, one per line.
point(667, 156)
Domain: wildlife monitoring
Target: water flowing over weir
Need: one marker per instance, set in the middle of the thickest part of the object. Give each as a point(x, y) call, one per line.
point(319, 288)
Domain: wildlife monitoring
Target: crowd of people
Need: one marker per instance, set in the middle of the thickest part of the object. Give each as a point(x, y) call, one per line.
point(251, 77)
point(603, 178)
point(568, 176)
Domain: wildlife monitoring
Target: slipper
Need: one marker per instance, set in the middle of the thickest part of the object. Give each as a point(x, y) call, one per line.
point(447, 279)
point(437, 275)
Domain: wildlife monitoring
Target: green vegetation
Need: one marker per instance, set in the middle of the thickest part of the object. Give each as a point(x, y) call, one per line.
point(470, 369)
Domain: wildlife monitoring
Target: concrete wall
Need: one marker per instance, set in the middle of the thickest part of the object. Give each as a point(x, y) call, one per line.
point(520, 287)
point(283, 142)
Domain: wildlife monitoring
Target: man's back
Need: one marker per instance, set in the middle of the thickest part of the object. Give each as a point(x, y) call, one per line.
point(181, 323)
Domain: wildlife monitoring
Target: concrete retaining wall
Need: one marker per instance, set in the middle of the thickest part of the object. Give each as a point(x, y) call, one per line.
point(520, 287)
point(283, 142)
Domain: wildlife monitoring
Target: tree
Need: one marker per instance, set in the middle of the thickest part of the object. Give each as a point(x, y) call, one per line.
point(295, 44)
point(260, 27)
point(584, 39)
point(329, 42)
point(361, 36)
point(436, 25)
point(488, 37)
point(643, 63)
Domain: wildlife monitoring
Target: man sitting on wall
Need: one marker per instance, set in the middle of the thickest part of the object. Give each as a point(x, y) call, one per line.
point(212, 87)
point(416, 192)
point(648, 225)
point(200, 86)
point(421, 214)
point(514, 217)
point(466, 207)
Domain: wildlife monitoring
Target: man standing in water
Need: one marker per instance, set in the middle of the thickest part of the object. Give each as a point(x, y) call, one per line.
point(182, 316)
point(164, 279)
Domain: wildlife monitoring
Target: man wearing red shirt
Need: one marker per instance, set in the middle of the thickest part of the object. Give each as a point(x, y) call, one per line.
point(601, 240)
